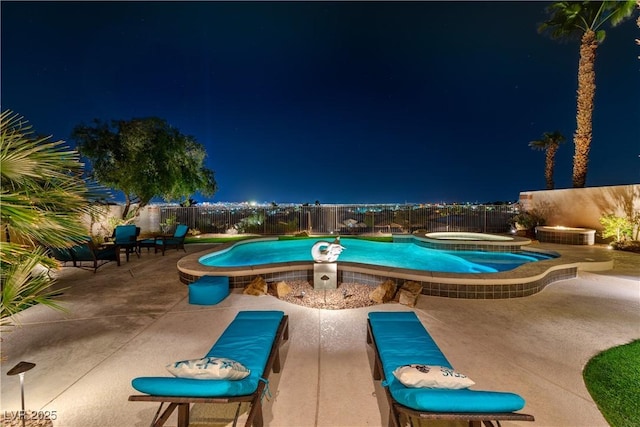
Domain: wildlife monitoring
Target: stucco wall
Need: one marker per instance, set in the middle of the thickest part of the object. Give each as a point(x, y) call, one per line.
point(99, 225)
point(583, 207)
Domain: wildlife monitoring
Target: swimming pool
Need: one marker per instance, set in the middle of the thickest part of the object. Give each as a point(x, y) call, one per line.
point(394, 255)
point(527, 279)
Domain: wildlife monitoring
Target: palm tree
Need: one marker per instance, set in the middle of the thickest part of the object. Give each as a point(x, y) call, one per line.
point(550, 142)
point(570, 19)
point(43, 197)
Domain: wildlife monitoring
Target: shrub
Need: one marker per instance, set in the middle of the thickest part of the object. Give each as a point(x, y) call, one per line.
point(528, 220)
point(618, 227)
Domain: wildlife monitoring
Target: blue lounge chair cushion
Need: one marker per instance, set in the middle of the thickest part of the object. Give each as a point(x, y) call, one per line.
point(401, 340)
point(248, 339)
point(62, 254)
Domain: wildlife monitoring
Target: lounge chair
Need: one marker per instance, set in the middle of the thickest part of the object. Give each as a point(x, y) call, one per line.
point(62, 255)
point(163, 242)
point(85, 252)
point(253, 339)
point(399, 339)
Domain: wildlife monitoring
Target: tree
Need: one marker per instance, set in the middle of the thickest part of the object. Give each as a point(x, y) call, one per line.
point(584, 19)
point(550, 142)
point(43, 199)
point(145, 158)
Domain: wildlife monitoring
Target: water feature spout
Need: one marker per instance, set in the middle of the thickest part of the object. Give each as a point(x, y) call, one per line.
point(324, 251)
point(325, 270)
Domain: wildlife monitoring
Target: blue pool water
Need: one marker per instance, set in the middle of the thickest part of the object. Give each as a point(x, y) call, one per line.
point(396, 255)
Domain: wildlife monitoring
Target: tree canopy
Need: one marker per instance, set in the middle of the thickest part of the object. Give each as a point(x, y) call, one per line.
point(145, 158)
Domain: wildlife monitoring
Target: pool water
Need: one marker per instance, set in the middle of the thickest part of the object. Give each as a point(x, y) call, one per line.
point(395, 255)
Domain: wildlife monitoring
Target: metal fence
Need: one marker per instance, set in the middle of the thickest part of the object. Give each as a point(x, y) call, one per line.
point(341, 219)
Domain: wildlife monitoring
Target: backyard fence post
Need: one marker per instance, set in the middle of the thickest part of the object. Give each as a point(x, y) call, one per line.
point(484, 208)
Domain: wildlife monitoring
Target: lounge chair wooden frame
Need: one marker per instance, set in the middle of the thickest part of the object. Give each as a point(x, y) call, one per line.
point(396, 409)
point(254, 418)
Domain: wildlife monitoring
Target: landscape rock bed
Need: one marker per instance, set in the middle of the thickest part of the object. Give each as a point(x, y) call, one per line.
point(347, 295)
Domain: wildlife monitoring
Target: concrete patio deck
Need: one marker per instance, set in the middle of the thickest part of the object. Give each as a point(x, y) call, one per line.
point(132, 320)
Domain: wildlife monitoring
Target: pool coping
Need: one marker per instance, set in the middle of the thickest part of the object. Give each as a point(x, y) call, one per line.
point(522, 281)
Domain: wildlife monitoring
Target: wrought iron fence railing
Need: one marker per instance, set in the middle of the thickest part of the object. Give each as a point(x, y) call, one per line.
point(341, 219)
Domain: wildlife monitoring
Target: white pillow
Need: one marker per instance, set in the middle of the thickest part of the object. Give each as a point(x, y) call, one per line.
point(431, 376)
point(216, 368)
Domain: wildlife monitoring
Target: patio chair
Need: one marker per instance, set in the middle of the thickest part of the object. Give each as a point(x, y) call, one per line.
point(126, 237)
point(252, 339)
point(174, 241)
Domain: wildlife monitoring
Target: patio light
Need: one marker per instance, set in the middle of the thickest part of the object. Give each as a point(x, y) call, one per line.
point(19, 370)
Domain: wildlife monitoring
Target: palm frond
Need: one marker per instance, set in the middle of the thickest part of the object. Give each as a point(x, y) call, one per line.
point(569, 19)
point(13, 253)
point(43, 198)
point(618, 11)
point(24, 285)
point(42, 190)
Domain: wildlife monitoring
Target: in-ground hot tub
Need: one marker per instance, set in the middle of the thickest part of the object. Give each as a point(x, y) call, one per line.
point(465, 241)
point(565, 235)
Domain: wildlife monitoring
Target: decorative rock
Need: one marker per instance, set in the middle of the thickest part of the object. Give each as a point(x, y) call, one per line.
point(257, 287)
point(282, 289)
point(384, 292)
point(408, 293)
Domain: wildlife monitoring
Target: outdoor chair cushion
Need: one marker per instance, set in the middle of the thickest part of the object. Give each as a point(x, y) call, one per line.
point(61, 254)
point(168, 241)
point(125, 235)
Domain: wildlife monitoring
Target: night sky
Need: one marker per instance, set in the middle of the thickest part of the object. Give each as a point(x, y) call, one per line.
point(338, 102)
